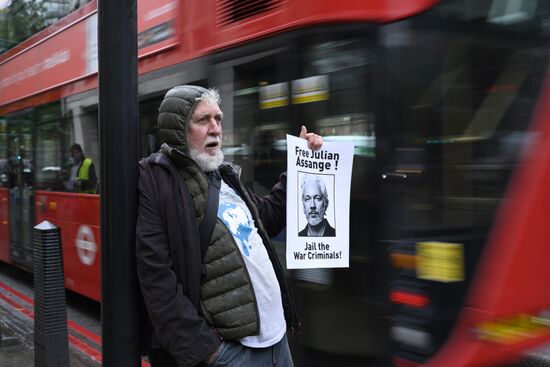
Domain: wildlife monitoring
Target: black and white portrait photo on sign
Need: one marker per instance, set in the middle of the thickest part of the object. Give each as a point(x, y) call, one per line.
point(318, 201)
point(317, 204)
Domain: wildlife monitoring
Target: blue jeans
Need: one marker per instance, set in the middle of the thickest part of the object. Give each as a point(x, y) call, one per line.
point(234, 354)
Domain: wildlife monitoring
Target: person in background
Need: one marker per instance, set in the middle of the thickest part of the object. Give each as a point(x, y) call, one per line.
point(315, 202)
point(82, 177)
point(228, 304)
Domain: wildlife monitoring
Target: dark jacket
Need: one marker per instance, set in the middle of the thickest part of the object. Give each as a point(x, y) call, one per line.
point(169, 265)
point(329, 231)
point(169, 257)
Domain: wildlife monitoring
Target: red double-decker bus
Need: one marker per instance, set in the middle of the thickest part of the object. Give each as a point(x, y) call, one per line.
point(443, 100)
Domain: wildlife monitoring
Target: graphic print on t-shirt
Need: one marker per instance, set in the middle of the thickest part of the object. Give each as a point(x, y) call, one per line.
point(232, 210)
point(237, 220)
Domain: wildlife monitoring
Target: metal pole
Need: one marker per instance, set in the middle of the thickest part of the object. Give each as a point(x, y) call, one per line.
point(119, 135)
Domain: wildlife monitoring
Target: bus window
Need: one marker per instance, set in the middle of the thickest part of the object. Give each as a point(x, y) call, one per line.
point(51, 143)
point(20, 155)
point(461, 117)
point(338, 67)
point(21, 193)
point(22, 19)
point(258, 123)
point(82, 127)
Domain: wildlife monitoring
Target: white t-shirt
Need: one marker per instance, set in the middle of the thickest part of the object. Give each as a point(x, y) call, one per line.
point(234, 213)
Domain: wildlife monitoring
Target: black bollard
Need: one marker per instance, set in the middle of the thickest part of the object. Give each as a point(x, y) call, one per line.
point(51, 347)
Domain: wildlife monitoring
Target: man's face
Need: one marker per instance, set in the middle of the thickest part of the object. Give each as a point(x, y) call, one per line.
point(205, 129)
point(314, 206)
point(76, 155)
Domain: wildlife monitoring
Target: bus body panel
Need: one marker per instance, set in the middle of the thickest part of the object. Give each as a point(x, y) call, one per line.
point(507, 290)
point(78, 216)
point(70, 53)
point(310, 12)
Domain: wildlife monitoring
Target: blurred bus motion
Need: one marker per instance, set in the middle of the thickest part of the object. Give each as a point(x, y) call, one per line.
point(444, 102)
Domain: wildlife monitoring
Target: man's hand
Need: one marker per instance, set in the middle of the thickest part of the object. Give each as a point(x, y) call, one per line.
point(314, 141)
point(212, 356)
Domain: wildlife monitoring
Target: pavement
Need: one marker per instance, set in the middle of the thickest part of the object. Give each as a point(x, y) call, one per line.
point(17, 342)
point(17, 338)
point(17, 314)
point(13, 352)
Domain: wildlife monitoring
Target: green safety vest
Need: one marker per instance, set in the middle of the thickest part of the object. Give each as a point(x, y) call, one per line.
point(84, 174)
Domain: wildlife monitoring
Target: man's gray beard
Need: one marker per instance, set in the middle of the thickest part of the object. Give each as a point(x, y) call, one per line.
point(206, 161)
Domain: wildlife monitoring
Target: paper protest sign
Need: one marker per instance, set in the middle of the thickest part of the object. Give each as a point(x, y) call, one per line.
point(318, 196)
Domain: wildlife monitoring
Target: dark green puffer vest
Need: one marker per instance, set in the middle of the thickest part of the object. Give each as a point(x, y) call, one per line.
point(227, 296)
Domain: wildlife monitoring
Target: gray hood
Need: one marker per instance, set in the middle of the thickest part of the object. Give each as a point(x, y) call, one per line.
point(175, 113)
